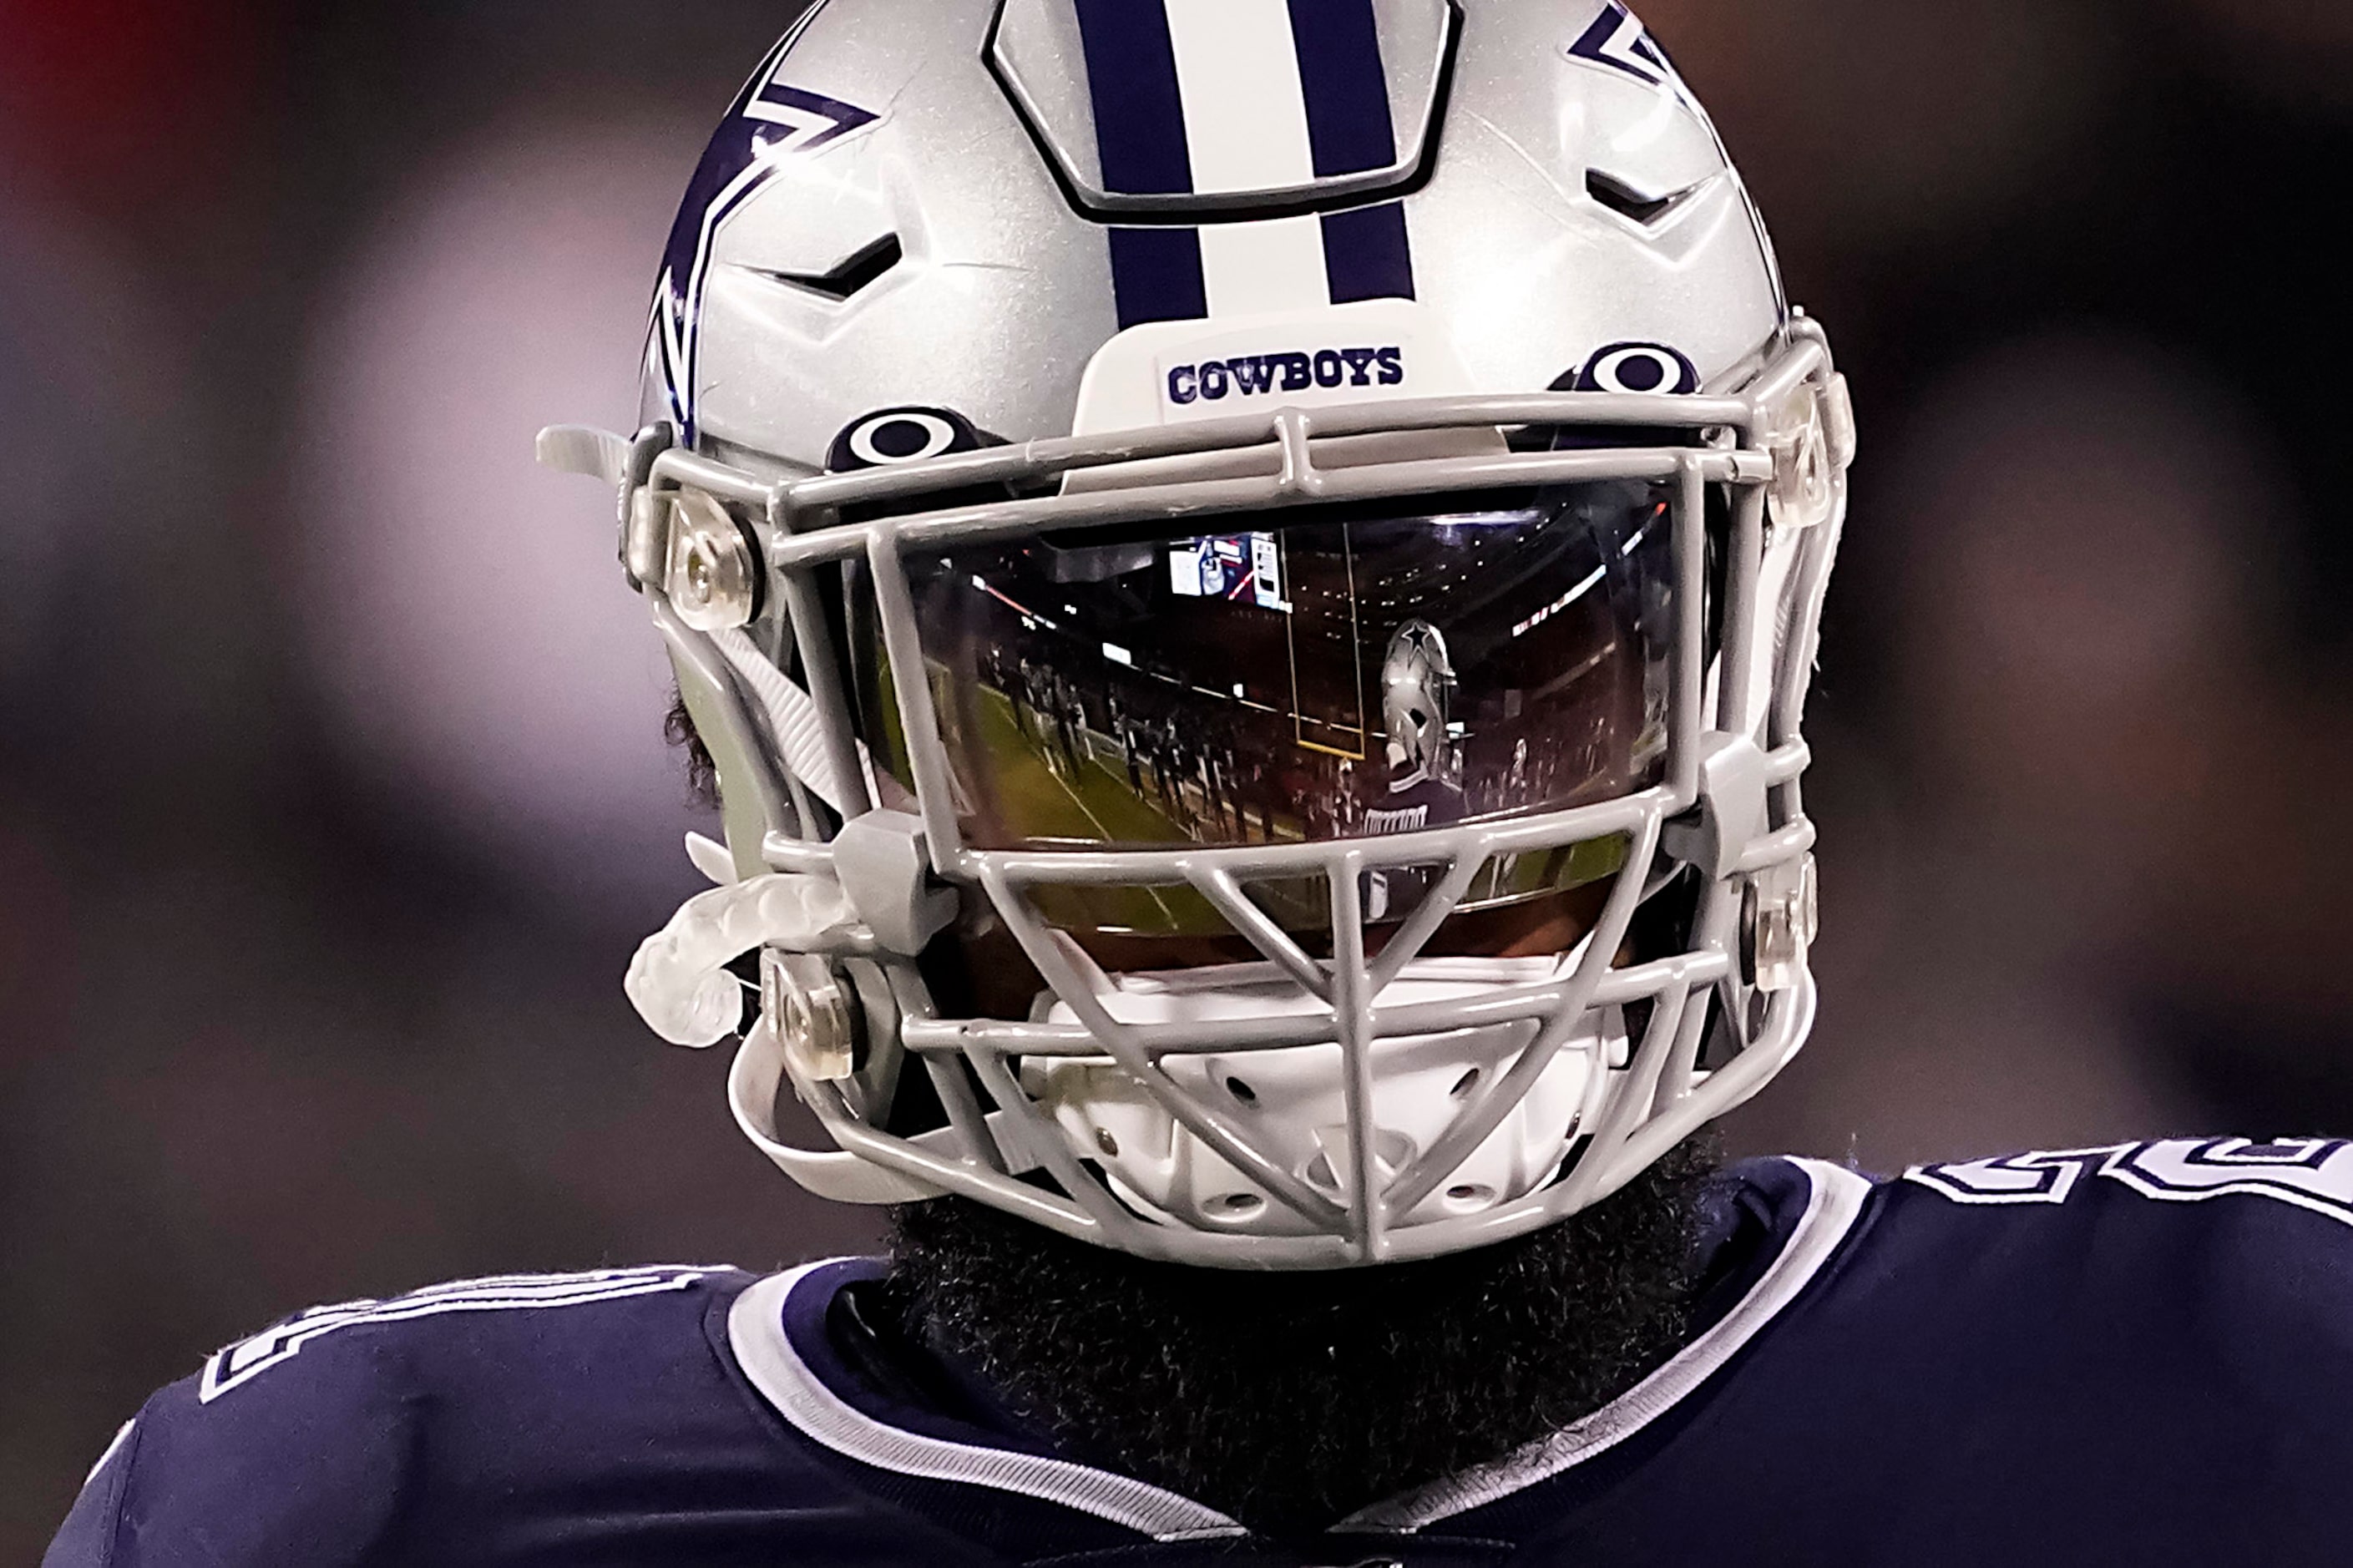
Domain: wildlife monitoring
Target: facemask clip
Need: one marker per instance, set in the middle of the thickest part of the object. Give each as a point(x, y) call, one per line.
point(1730, 815)
point(810, 1006)
point(880, 861)
point(1779, 913)
point(712, 581)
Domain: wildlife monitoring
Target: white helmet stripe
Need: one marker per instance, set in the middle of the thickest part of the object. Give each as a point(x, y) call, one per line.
point(1237, 80)
point(1253, 268)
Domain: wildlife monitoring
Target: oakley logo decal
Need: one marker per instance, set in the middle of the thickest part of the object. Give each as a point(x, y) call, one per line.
point(1637, 367)
point(892, 436)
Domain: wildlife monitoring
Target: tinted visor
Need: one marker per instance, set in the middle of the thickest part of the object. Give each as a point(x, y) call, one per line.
point(1305, 675)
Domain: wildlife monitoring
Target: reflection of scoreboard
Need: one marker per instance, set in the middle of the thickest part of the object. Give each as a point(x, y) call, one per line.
point(1229, 568)
point(1253, 569)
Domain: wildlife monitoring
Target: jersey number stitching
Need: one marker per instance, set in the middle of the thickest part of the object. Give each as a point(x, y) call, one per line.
point(248, 1359)
point(2314, 1173)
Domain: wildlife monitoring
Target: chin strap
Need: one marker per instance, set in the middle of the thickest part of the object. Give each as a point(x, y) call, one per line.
point(794, 720)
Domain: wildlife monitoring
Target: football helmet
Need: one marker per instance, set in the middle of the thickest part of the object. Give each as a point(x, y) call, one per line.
point(1415, 681)
point(1249, 570)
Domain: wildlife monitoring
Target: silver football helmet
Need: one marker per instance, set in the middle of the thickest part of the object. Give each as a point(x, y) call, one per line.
point(1073, 426)
point(1417, 683)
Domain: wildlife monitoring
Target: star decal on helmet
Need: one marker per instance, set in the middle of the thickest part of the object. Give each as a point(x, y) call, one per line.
point(1618, 40)
point(770, 124)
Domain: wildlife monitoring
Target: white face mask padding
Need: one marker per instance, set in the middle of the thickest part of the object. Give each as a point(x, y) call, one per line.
point(1294, 1104)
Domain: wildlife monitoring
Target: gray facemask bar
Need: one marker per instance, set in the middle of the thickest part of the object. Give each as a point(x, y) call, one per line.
point(1728, 806)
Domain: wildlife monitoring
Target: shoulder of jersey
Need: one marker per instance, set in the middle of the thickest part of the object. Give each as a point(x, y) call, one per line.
point(537, 1322)
point(339, 1426)
point(2267, 1224)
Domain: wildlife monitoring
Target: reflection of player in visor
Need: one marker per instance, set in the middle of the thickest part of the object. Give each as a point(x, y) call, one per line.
point(1416, 684)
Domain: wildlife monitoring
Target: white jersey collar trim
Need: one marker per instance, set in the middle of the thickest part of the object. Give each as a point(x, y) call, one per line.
point(756, 1333)
point(756, 1330)
point(1836, 1199)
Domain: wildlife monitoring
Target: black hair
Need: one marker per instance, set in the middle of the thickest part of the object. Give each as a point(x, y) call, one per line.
point(702, 772)
point(1289, 1400)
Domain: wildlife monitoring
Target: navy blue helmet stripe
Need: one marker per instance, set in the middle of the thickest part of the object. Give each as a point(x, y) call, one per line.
point(1347, 93)
point(1132, 79)
point(1365, 254)
point(1156, 274)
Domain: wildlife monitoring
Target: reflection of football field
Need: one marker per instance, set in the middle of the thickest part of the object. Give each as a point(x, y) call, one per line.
point(1095, 808)
point(1098, 807)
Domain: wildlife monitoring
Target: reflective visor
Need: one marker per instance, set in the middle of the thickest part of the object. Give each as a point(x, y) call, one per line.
point(1305, 675)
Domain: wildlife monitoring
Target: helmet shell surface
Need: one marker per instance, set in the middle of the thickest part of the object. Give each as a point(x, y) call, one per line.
point(1549, 190)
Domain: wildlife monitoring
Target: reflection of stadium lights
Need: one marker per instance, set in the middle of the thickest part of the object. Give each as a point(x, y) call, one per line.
point(1238, 688)
point(1481, 518)
point(1550, 611)
point(1029, 617)
point(1118, 655)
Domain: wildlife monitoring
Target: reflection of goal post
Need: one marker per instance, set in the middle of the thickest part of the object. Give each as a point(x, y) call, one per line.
point(1340, 734)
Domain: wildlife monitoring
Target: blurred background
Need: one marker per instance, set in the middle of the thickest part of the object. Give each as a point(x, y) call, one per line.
point(333, 797)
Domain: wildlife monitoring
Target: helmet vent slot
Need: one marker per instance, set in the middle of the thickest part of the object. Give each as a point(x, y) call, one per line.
point(1235, 1206)
point(865, 265)
point(1241, 1091)
point(1465, 1084)
point(1628, 201)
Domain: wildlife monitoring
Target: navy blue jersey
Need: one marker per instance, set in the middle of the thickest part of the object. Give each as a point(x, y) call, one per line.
point(2136, 1354)
point(1425, 803)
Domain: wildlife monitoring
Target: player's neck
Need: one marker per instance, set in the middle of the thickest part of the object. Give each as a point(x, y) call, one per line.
point(1289, 1400)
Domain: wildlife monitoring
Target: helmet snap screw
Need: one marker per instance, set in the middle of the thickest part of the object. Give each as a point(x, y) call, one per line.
point(1780, 915)
point(806, 1004)
point(712, 579)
